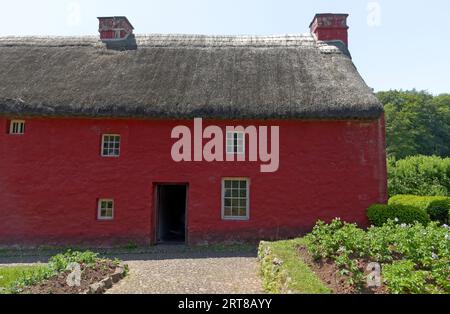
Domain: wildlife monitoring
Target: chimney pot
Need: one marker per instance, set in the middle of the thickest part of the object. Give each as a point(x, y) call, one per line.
point(330, 27)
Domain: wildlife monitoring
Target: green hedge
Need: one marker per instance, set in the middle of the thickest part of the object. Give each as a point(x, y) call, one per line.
point(379, 214)
point(437, 207)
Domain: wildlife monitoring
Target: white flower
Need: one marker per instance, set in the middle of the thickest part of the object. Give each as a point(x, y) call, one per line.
point(403, 225)
point(434, 256)
point(396, 219)
point(447, 237)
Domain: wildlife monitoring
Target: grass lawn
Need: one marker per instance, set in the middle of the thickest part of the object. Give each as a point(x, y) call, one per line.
point(8, 275)
point(292, 274)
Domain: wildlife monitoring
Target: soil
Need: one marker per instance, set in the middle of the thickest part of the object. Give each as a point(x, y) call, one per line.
point(89, 275)
point(328, 272)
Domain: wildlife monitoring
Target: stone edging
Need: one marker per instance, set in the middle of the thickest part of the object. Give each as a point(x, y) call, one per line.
point(107, 283)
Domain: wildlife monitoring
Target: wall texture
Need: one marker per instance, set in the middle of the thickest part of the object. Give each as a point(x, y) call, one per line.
point(52, 177)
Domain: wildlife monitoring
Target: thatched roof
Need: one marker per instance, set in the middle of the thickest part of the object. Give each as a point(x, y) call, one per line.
point(183, 76)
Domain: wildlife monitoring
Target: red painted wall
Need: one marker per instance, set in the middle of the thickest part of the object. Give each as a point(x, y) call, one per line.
point(51, 178)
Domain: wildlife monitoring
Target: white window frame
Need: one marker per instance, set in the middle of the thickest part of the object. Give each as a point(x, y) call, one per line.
point(102, 152)
point(99, 209)
point(20, 124)
point(241, 218)
point(230, 148)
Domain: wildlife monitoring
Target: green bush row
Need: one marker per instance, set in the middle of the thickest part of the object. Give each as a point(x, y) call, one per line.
point(379, 214)
point(411, 208)
point(437, 207)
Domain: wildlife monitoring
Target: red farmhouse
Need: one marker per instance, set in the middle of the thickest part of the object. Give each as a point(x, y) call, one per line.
point(89, 130)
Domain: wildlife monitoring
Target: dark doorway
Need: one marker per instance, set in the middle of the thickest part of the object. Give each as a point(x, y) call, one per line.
point(171, 220)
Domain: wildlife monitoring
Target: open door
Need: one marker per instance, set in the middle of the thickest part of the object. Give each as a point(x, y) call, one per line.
point(171, 213)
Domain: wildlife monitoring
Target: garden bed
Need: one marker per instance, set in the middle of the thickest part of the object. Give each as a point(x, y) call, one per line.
point(393, 258)
point(344, 259)
point(329, 273)
point(70, 273)
point(90, 274)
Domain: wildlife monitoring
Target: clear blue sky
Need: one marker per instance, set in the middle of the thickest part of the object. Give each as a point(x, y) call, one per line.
point(396, 44)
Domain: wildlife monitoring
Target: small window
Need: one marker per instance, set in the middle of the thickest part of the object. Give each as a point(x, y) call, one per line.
point(17, 127)
point(105, 209)
point(235, 143)
point(111, 145)
point(235, 199)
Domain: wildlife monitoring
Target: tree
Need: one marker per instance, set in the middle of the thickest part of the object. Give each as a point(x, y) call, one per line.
point(416, 123)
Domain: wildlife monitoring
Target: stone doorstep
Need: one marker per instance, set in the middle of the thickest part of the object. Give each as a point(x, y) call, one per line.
point(107, 283)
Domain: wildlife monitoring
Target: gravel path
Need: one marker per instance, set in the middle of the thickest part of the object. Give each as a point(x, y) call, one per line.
point(191, 273)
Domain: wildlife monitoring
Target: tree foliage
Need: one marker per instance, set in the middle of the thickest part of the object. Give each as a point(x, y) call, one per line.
point(417, 123)
point(419, 175)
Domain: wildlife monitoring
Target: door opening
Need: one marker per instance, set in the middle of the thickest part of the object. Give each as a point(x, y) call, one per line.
point(171, 210)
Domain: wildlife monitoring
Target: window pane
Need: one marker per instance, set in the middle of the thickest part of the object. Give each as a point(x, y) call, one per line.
point(235, 202)
point(17, 127)
point(111, 145)
point(227, 211)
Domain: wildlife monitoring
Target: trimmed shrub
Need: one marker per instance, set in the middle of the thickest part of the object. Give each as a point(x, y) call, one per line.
point(439, 210)
point(379, 214)
point(437, 207)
